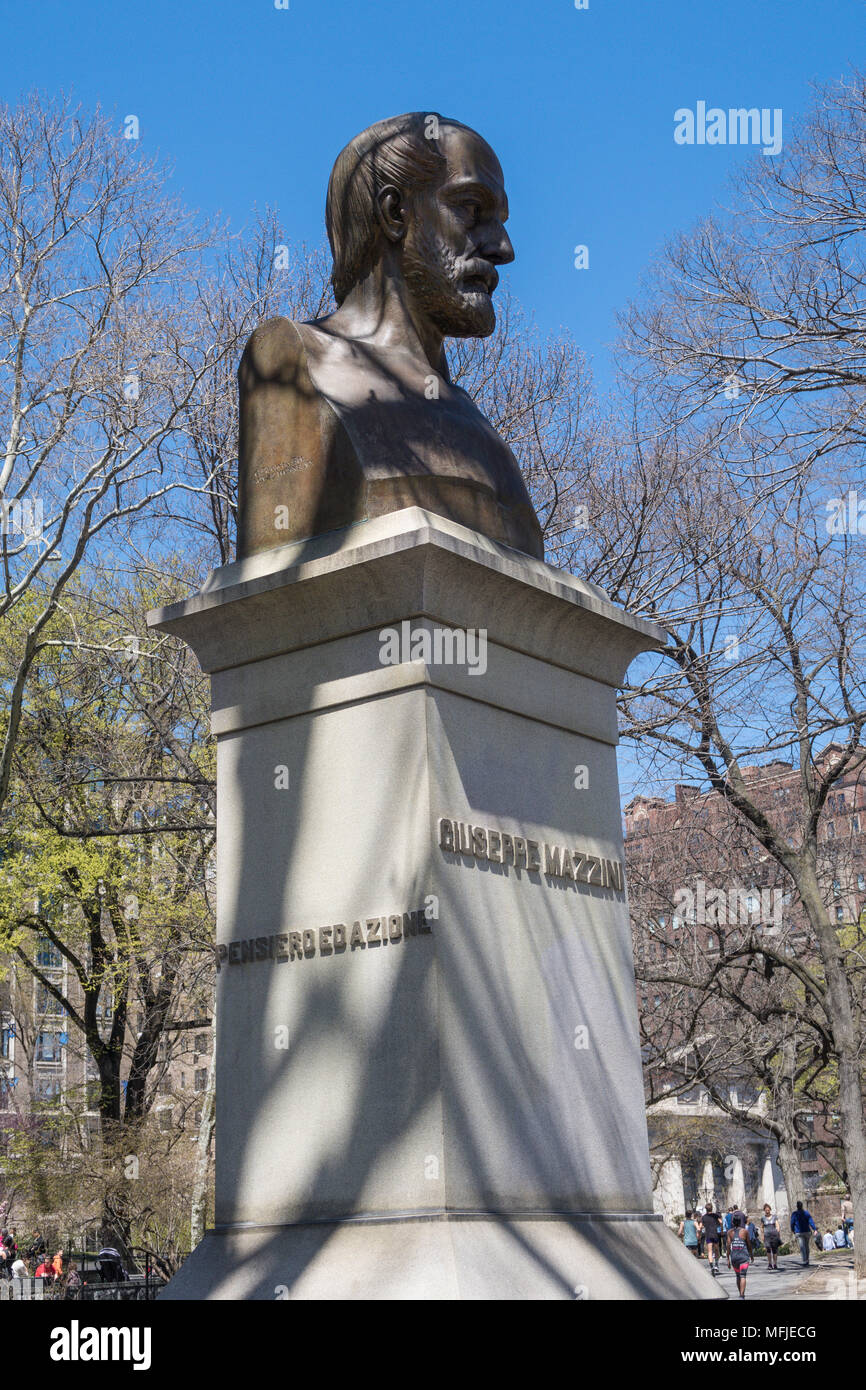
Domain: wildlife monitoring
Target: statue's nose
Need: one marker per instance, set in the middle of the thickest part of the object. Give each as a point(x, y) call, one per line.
point(497, 247)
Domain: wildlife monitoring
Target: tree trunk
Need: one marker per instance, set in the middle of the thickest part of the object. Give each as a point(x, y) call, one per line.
point(854, 1141)
point(108, 1064)
point(845, 1041)
point(789, 1162)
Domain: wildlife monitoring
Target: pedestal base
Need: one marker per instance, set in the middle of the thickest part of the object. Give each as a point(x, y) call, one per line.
point(427, 1004)
point(446, 1258)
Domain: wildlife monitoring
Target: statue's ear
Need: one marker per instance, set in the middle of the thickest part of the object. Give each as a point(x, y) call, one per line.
point(391, 212)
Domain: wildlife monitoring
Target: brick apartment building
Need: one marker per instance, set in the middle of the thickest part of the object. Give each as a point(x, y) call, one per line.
point(47, 1071)
point(686, 856)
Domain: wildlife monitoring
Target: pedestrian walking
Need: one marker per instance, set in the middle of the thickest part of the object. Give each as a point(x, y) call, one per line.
point(771, 1235)
point(727, 1225)
point(801, 1225)
point(739, 1250)
point(688, 1232)
point(847, 1212)
point(711, 1224)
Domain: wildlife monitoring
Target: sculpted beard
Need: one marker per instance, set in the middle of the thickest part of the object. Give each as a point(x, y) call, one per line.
point(433, 273)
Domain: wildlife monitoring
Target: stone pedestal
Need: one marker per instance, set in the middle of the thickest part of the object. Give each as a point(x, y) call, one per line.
point(428, 1073)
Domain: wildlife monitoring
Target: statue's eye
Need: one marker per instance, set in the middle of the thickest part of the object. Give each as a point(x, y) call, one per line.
point(474, 210)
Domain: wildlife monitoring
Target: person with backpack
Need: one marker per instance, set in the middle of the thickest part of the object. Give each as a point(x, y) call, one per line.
point(801, 1224)
point(739, 1250)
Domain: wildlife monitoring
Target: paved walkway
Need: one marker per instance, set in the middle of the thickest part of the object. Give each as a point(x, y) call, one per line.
point(827, 1276)
point(832, 1277)
point(762, 1283)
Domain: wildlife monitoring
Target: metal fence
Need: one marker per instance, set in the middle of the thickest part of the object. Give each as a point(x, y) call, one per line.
point(27, 1289)
point(90, 1289)
point(131, 1290)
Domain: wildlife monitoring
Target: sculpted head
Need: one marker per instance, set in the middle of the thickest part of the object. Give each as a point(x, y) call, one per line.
point(426, 194)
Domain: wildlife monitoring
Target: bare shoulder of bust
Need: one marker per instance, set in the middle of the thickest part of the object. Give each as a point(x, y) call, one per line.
point(297, 473)
point(275, 352)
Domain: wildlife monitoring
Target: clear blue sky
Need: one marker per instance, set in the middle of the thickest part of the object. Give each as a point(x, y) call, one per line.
point(252, 104)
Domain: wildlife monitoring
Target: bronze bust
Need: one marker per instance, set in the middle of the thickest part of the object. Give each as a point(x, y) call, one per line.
point(354, 415)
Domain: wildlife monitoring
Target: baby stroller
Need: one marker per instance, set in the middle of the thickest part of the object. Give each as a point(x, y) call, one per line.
point(108, 1262)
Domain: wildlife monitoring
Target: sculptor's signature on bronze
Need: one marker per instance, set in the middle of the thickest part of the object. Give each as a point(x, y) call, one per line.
point(295, 465)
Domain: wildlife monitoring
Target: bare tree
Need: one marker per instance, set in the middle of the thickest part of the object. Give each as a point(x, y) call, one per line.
point(102, 346)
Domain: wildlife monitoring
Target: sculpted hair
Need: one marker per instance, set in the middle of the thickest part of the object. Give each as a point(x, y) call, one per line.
point(404, 151)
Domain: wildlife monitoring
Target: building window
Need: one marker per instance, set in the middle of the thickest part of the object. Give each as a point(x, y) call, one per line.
point(840, 914)
point(861, 883)
point(165, 1119)
point(201, 1042)
point(48, 1047)
point(47, 955)
point(711, 942)
point(6, 1036)
point(831, 830)
point(46, 1004)
point(200, 1078)
point(47, 1088)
